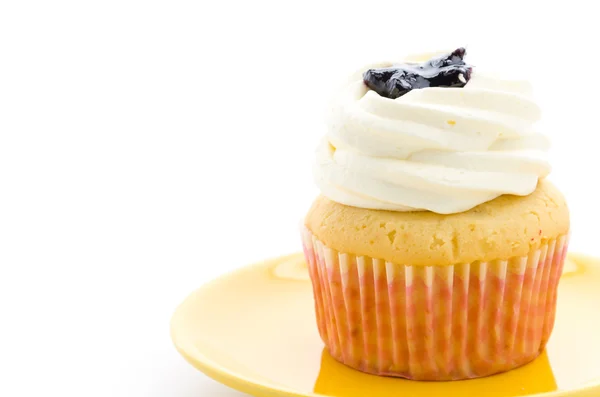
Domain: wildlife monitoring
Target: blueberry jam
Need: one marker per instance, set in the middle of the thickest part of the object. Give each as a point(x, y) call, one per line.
point(449, 70)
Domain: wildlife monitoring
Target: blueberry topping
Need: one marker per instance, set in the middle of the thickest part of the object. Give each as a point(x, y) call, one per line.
point(449, 70)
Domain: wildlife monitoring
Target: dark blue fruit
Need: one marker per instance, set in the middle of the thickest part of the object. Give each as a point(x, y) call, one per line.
point(449, 70)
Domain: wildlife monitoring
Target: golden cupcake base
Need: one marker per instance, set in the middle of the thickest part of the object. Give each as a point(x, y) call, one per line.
point(254, 330)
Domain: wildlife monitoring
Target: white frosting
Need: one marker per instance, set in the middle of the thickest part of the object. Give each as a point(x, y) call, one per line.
point(444, 150)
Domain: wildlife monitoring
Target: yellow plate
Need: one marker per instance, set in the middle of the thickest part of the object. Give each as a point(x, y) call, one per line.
point(254, 330)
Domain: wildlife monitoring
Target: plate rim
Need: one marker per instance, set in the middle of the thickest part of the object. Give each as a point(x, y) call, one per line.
point(216, 371)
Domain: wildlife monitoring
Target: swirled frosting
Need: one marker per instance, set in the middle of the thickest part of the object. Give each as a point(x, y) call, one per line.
point(438, 149)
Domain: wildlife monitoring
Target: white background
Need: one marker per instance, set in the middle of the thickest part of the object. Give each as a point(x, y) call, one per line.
point(149, 146)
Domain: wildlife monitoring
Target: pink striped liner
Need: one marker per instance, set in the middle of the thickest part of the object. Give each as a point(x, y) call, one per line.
point(434, 322)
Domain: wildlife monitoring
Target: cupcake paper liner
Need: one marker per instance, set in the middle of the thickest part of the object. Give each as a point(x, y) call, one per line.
point(434, 322)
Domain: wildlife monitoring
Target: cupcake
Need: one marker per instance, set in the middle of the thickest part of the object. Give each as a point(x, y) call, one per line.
point(437, 243)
